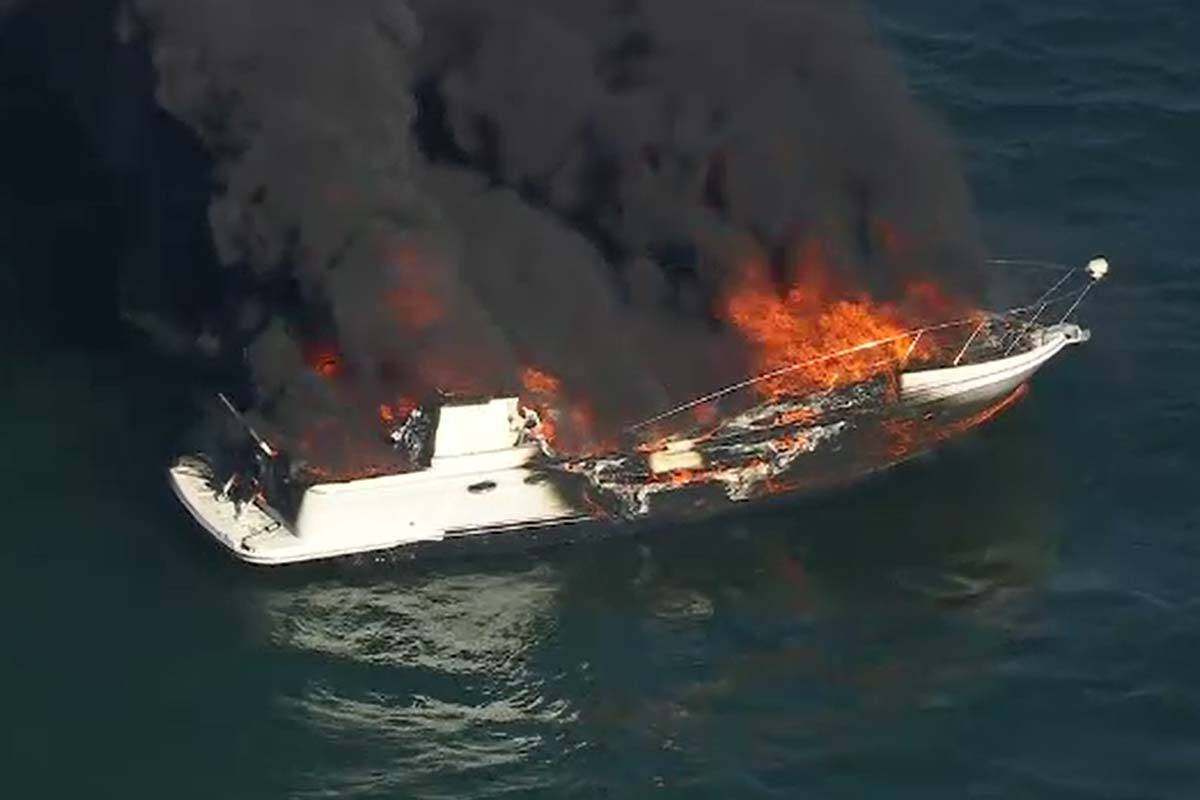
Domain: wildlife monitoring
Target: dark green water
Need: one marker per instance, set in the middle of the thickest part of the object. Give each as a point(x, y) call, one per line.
point(1017, 616)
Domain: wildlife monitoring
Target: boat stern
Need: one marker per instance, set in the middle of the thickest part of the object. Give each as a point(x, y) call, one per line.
point(246, 529)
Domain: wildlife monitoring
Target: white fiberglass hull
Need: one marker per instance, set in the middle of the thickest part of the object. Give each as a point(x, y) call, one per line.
point(495, 492)
point(989, 379)
point(478, 495)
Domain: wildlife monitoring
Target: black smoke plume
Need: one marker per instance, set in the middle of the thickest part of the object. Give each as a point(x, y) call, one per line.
point(432, 195)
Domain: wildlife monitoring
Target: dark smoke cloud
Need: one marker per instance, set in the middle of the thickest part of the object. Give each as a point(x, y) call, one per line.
point(449, 190)
point(648, 119)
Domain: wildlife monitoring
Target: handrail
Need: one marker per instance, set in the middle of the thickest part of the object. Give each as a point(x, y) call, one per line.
point(970, 339)
point(1041, 307)
point(1078, 300)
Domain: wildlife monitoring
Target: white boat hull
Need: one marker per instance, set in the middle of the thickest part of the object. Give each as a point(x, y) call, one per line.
point(990, 379)
point(493, 493)
point(477, 494)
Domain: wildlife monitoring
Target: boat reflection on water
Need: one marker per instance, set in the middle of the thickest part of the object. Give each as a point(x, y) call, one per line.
point(748, 644)
point(420, 677)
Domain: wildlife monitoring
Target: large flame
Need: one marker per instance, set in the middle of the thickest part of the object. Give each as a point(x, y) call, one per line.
point(808, 327)
point(817, 333)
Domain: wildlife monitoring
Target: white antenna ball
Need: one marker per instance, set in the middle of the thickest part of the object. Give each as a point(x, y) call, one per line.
point(1097, 268)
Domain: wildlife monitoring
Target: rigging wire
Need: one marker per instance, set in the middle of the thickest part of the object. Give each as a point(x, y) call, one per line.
point(1047, 299)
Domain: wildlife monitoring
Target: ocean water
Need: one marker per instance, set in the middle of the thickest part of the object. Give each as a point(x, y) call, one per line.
point(1016, 616)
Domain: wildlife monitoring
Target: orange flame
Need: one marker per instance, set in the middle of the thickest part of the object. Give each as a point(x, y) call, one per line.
point(542, 394)
point(389, 413)
point(682, 477)
point(799, 326)
point(568, 424)
point(537, 382)
point(324, 360)
point(804, 325)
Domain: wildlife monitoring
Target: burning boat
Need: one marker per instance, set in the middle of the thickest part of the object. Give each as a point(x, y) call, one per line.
point(487, 469)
